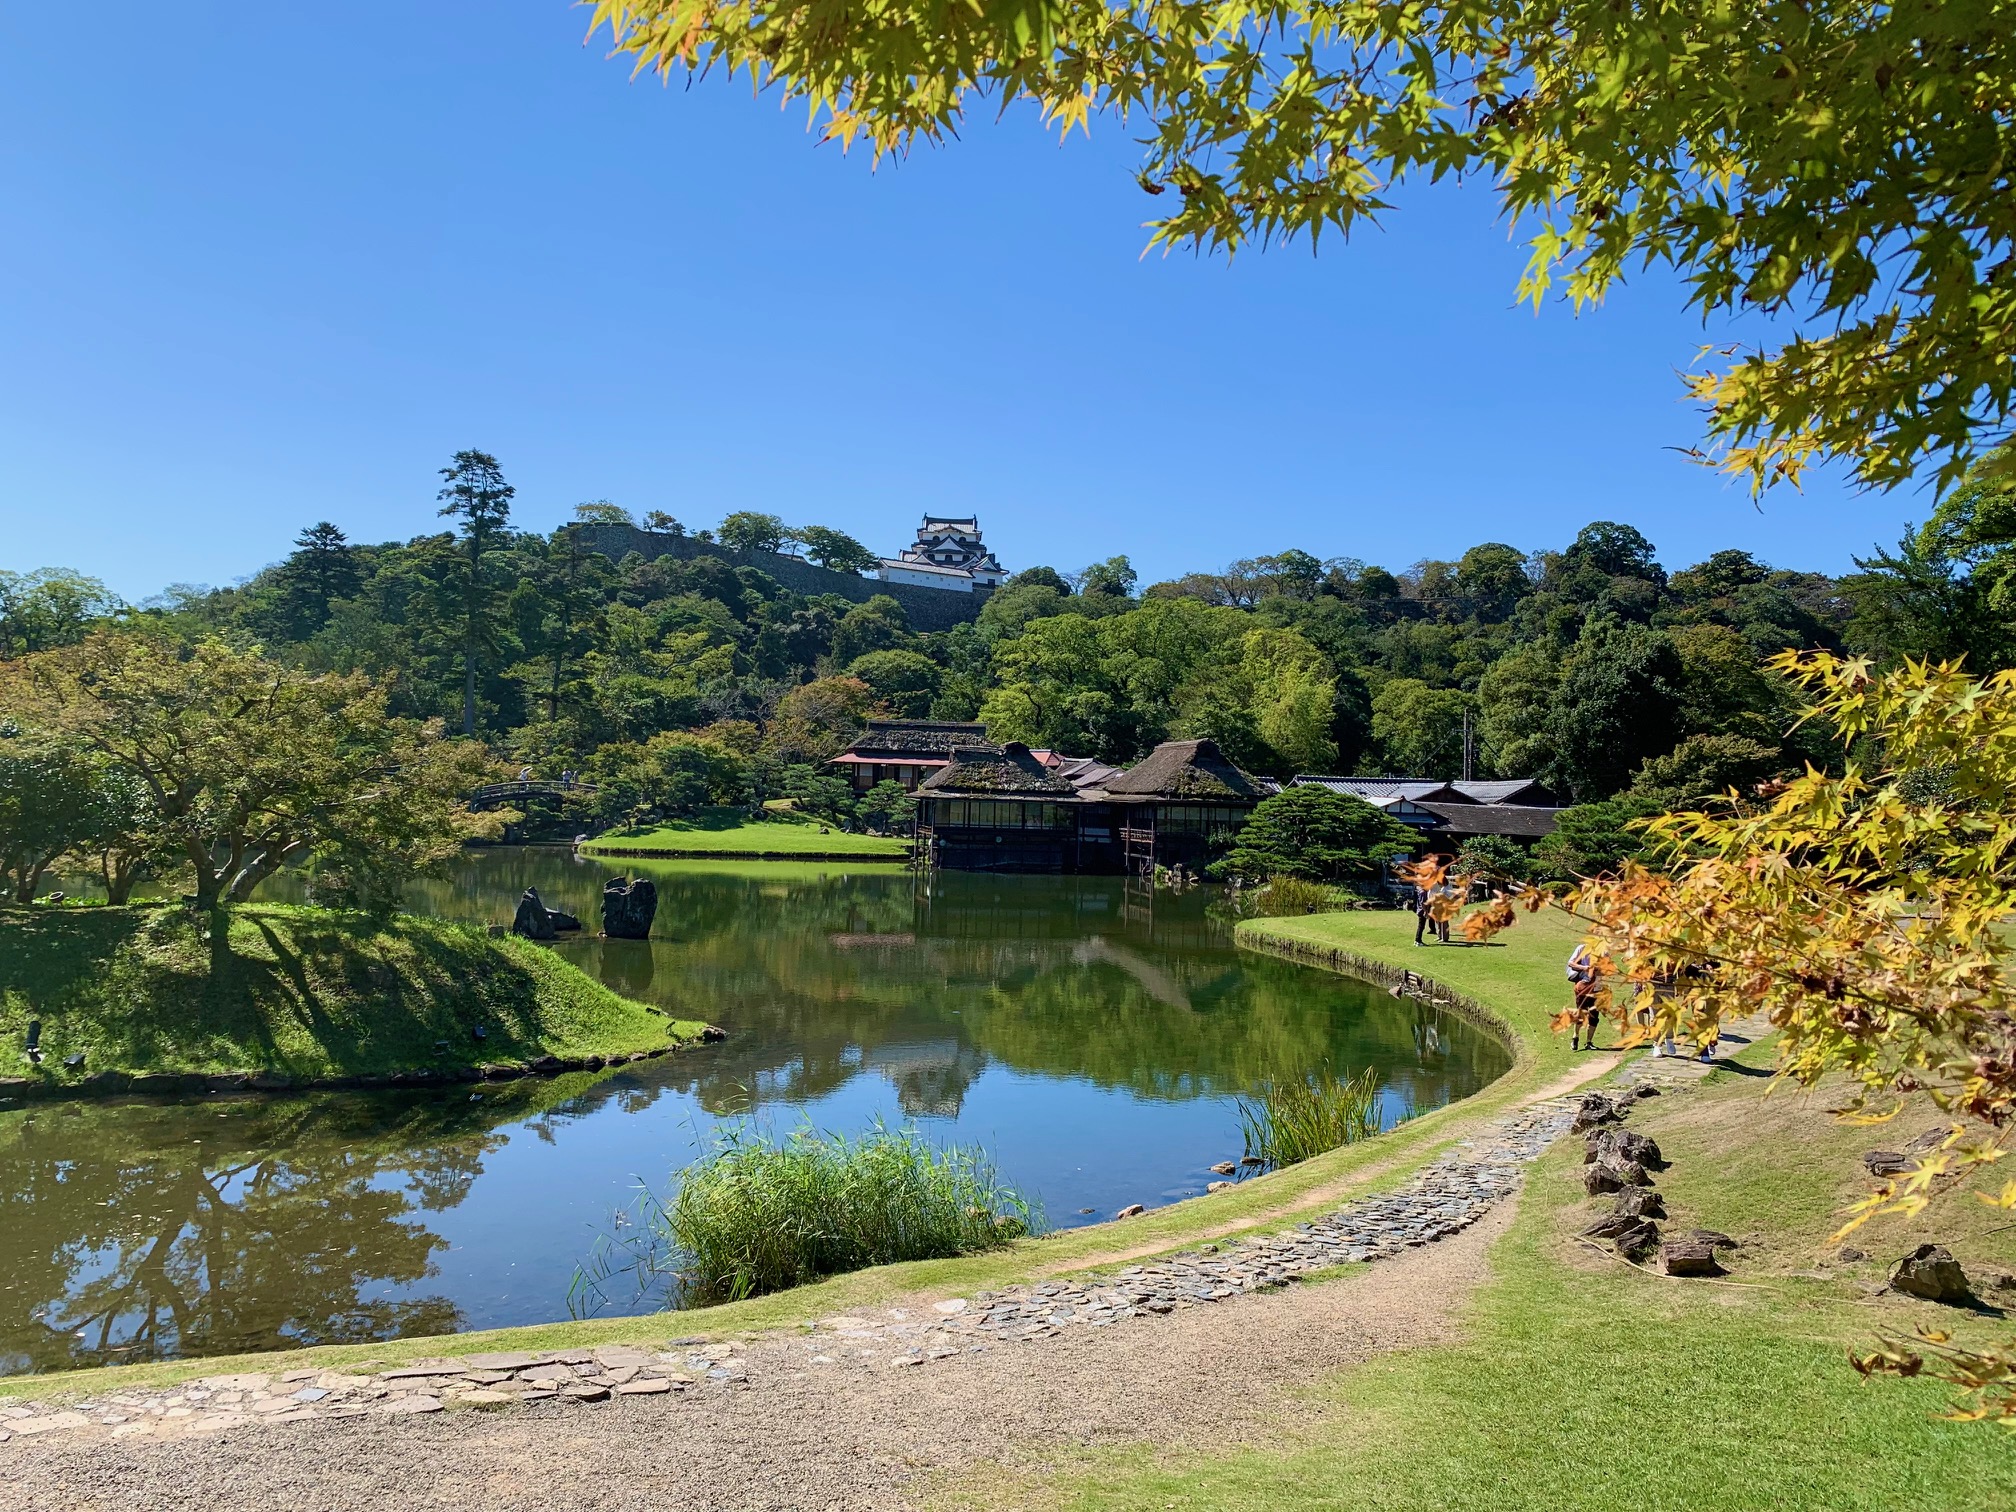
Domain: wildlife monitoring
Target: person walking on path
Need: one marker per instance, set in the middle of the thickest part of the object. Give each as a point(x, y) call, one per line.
point(1422, 918)
point(1582, 981)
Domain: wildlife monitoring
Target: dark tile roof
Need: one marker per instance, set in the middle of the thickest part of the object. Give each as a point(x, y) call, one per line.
point(1084, 771)
point(1529, 791)
point(1009, 772)
point(1382, 791)
point(1522, 821)
point(1193, 769)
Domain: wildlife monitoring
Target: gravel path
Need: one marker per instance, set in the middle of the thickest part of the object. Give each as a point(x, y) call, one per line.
point(812, 1437)
point(1198, 1345)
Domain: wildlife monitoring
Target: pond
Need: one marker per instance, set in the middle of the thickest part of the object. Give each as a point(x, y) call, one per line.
point(1092, 1034)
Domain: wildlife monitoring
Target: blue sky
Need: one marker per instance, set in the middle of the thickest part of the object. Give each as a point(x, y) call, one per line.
point(271, 265)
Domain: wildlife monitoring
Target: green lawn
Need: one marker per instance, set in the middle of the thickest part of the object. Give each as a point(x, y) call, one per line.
point(300, 992)
point(730, 832)
point(1584, 1384)
point(1578, 1383)
point(1521, 976)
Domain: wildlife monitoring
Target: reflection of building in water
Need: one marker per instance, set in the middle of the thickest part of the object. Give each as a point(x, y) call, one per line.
point(930, 1076)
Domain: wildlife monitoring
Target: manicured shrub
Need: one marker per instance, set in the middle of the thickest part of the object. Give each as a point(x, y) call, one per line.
point(1318, 835)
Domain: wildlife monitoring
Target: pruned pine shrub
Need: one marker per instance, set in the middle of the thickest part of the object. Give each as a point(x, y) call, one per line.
point(759, 1214)
point(1290, 1121)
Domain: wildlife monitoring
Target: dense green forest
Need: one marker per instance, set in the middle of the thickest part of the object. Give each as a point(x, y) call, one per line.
point(690, 681)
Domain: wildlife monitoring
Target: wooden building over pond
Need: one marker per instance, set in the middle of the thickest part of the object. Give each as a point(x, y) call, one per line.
point(1018, 810)
point(1182, 805)
point(998, 809)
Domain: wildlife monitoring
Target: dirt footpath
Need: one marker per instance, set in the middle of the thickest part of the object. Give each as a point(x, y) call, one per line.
point(801, 1437)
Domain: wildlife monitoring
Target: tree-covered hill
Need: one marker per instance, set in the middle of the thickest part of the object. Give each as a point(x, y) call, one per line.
point(1594, 665)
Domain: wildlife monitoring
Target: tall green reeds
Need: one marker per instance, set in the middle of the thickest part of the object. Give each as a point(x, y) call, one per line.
point(1292, 1120)
point(760, 1214)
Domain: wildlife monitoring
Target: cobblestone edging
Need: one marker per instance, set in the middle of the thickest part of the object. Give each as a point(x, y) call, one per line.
point(1448, 1196)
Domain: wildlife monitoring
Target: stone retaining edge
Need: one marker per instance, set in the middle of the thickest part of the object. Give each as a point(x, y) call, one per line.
point(1350, 963)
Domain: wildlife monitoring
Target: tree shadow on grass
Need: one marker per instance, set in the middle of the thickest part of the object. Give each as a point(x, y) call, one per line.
point(404, 994)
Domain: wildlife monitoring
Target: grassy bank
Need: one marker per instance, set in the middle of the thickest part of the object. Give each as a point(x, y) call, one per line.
point(1528, 967)
point(730, 832)
point(301, 994)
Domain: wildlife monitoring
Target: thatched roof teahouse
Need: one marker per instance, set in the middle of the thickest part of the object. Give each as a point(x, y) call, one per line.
point(1181, 805)
point(1000, 810)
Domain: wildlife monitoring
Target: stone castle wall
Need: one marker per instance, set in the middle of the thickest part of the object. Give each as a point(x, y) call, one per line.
point(928, 608)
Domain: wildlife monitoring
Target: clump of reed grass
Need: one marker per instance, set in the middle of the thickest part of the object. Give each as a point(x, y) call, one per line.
point(1289, 1121)
point(759, 1214)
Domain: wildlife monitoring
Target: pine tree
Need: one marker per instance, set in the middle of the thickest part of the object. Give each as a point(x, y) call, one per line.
point(476, 495)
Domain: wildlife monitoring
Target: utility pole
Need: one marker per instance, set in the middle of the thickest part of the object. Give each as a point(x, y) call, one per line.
point(1469, 748)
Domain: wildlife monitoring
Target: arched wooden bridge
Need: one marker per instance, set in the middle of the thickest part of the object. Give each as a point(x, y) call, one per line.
point(505, 792)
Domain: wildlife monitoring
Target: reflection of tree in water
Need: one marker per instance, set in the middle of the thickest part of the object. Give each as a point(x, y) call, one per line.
point(816, 972)
point(822, 978)
point(139, 1231)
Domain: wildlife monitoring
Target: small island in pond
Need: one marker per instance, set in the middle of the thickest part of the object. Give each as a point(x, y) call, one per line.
point(272, 997)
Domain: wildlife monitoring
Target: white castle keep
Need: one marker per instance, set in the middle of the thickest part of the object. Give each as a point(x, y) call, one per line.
point(946, 554)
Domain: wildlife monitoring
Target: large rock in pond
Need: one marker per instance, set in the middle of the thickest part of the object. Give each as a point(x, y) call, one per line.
point(533, 920)
point(628, 907)
point(1931, 1272)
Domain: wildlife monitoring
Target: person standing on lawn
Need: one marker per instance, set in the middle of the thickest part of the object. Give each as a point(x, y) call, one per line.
point(1582, 981)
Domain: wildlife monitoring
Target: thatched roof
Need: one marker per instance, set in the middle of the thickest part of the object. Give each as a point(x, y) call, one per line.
point(1009, 772)
point(1192, 769)
point(922, 737)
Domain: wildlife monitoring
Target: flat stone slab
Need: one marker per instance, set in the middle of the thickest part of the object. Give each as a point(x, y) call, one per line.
point(510, 1359)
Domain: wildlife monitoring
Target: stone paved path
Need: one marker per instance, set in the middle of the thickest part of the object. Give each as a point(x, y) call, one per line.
point(1684, 1070)
point(1445, 1198)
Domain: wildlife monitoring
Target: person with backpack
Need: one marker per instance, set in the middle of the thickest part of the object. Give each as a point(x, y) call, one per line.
point(1583, 981)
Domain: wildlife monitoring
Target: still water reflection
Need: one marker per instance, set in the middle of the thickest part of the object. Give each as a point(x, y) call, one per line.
point(1094, 1037)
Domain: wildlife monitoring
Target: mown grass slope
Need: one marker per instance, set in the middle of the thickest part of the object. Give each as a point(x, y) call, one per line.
point(300, 992)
